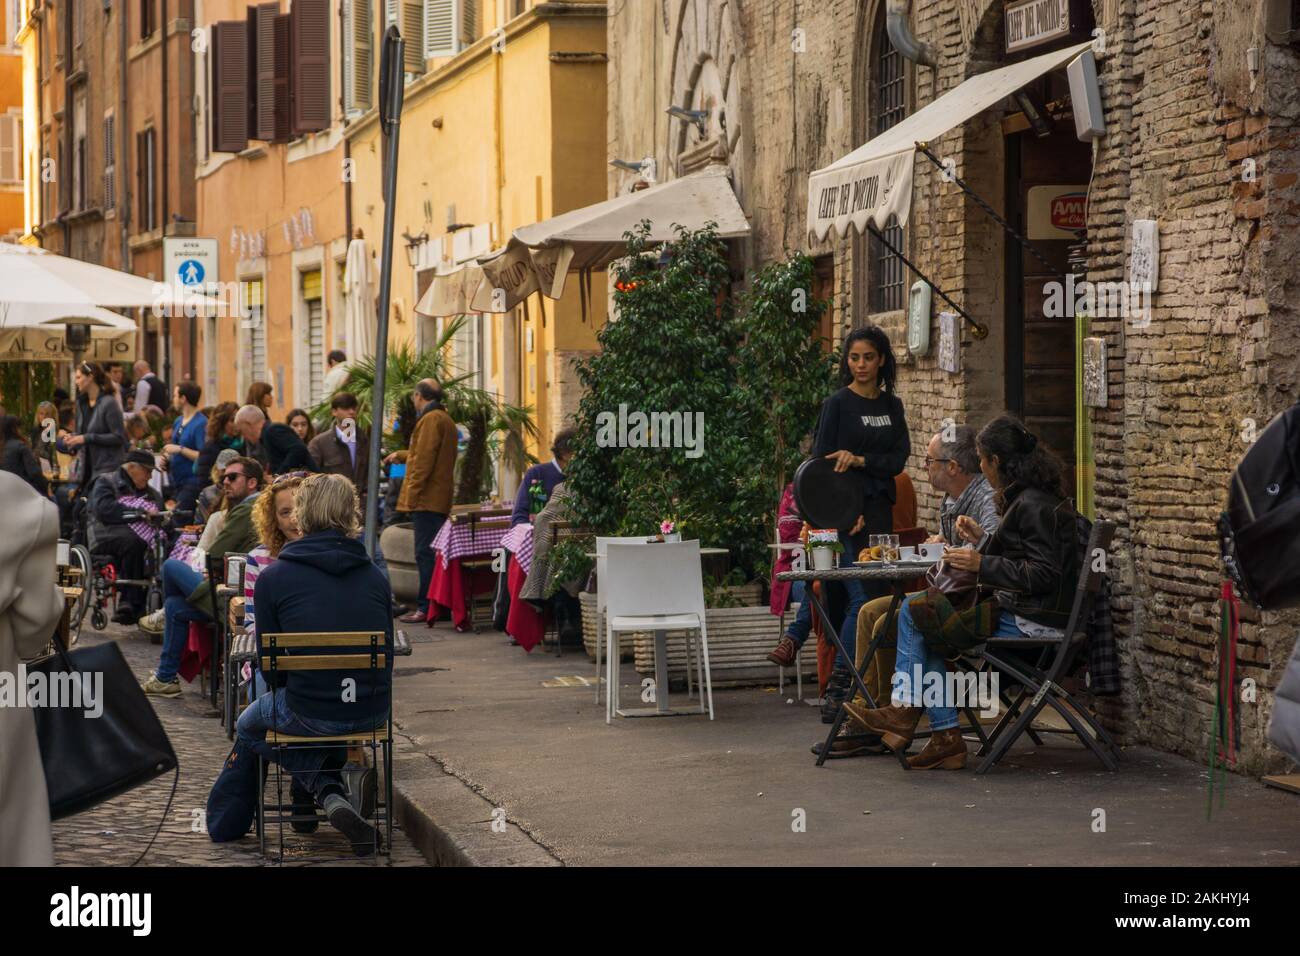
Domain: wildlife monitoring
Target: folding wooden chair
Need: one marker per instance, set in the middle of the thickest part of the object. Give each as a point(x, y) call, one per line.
point(366, 651)
point(1043, 679)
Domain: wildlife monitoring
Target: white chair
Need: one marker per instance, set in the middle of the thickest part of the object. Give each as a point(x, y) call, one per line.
point(654, 588)
point(601, 544)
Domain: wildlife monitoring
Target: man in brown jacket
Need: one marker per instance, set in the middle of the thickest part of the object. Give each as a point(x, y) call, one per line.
point(426, 490)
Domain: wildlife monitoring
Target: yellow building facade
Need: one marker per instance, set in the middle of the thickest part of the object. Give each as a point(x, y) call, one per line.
point(507, 132)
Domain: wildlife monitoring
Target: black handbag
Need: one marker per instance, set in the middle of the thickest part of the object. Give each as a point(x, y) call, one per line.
point(90, 759)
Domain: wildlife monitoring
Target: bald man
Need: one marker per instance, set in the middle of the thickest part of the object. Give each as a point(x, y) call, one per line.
point(281, 447)
point(149, 388)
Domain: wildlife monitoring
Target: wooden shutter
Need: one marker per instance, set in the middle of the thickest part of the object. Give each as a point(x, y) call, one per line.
point(9, 148)
point(262, 76)
point(413, 33)
point(283, 83)
point(439, 28)
point(467, 20)
point(310, 88)
point(229, 50)
point(358, 29)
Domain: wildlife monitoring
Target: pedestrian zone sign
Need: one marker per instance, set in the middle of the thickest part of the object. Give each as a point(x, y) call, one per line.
point(190, 262)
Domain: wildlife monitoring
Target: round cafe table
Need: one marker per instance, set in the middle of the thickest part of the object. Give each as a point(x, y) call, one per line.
point(897, 574)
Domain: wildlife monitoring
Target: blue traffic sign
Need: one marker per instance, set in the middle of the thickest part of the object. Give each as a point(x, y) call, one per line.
point(190, 272)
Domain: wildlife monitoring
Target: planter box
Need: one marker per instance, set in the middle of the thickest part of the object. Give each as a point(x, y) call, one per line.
point(739, 641)
point(398, 544)
point(590, 629)
point(747, 594)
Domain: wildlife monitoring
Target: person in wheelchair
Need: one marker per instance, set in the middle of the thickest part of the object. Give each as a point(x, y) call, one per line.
point(117, 533)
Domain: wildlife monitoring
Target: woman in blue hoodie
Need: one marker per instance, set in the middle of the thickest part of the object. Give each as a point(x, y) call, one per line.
point(324, 582)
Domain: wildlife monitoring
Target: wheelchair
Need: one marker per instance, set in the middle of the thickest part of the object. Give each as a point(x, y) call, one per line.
point(102, 581)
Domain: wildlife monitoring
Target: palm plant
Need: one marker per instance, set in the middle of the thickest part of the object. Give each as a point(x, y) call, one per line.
point(497, 429)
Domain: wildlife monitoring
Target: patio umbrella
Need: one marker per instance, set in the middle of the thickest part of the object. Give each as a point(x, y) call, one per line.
point(359, 317)
point(34, 276)
point(35, 332)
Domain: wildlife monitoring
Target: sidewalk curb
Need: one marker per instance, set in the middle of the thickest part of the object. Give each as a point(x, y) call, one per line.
point(451, 824)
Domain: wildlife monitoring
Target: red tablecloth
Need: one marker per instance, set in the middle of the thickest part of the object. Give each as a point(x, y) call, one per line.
point(198, 650)
point(447, 590)
point(524, 623)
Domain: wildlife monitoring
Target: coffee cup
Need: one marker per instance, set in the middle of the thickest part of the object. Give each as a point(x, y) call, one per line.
point(932, 551)
point(907, 553)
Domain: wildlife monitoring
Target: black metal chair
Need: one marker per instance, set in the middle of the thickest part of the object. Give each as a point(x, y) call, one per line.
point(1041, 682)
point(344, 651)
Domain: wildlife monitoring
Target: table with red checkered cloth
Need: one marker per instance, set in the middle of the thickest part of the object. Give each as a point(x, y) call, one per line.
point(454, 543)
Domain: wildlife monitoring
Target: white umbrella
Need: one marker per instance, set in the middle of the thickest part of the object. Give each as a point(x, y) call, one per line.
point(30, 275)
point(359, 319)
point(35, 333)
point(28, 315)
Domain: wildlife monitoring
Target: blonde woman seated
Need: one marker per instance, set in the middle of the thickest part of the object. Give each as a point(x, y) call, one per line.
point(276, 526)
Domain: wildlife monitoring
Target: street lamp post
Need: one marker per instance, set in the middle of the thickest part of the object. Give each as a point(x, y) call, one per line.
point(390, 117)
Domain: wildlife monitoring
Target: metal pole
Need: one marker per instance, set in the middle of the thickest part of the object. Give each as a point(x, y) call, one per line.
point(390, 115)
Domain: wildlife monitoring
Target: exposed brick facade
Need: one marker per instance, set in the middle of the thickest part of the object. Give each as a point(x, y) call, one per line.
point(1181, 116)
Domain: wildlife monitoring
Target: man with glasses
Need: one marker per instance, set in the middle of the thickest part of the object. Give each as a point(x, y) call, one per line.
point(953, 467)
point(186, 591)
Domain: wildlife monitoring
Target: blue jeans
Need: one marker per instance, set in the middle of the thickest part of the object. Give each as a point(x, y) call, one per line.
point(314, 768)
point(802, 624)
point(178, 580)
point(914, 657)
point(426, 524)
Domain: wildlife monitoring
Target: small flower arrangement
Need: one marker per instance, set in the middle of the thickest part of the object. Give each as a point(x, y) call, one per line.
point(669, 526)
point(825, 539)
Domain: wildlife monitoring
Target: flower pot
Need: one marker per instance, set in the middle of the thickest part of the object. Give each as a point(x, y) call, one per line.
point(398, 543)
point(674, 536)
point(823, 559)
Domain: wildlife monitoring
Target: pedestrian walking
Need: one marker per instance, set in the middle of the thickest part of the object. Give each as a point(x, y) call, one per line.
point(427, 489)
point(337, 377)
point(101, 437)
point(149, 388)
point(30, 606)
point(188, 438)
point(345, 448)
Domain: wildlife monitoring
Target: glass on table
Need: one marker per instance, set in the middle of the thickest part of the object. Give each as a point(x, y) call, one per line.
point(889, 548)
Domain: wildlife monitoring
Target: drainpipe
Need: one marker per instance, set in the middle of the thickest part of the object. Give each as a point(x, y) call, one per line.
point(901, 36)
point(166, 155)
point(123, 137)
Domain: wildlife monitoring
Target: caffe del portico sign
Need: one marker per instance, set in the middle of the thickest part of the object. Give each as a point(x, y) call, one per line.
point(1035, 23)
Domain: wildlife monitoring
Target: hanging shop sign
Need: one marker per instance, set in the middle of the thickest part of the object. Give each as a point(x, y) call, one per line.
point(1035, 23)
point(47, 345)
point(1057, 212)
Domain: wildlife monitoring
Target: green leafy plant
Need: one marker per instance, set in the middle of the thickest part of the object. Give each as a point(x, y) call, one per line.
point(496, 430)
point(677, 344)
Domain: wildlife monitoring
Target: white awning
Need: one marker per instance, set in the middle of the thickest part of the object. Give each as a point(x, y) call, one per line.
point(874, 181)
point(540, 256)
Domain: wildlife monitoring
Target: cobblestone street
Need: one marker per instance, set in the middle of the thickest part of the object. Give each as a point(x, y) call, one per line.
point(114, 833)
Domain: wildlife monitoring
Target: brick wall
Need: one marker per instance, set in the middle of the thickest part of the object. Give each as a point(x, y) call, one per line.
point(1181, 117)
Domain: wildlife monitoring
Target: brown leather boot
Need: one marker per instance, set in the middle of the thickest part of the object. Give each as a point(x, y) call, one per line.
point(896, 725)
point(945, 750)
point(785, 652)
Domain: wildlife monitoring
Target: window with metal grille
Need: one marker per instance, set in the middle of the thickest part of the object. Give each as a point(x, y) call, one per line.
point(256, 325)
point(888, 283)
point(110, 162)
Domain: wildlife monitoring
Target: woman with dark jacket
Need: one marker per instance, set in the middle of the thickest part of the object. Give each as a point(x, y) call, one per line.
point(101, 435)
point(18, 457)
point(862, 429)
point(1031, 566)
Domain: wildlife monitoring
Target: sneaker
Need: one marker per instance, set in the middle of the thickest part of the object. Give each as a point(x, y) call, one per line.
point(363, 837)
point(363, 788)
point(785, 652)
point(153, 623)
point(156, 688)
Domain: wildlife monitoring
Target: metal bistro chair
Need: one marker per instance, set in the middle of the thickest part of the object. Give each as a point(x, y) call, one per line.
point(656, 587)
point(355, 653)
point(1055, 662)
